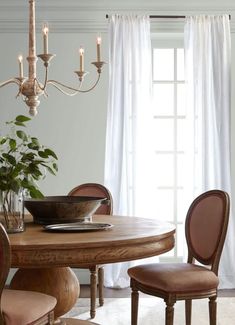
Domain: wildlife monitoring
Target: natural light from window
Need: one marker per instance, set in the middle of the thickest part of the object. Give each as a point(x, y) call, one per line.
point(169, 140)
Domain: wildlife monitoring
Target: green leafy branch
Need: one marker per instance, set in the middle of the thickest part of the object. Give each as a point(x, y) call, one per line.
point(23, 160)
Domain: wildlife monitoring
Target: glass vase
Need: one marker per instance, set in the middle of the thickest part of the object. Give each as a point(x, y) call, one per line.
point(12, 211)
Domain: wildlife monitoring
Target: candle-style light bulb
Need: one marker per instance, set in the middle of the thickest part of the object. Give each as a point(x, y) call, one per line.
point(81, 52)
point(45, 32)
point(20, 60)
point(98, 43)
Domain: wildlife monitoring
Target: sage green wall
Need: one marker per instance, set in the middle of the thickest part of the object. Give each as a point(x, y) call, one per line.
point(73, 126)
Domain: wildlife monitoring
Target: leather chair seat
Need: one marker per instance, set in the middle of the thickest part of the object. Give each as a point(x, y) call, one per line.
point(25, 307)
point(184, 277)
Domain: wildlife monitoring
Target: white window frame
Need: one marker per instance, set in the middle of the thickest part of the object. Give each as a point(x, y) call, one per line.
point(166, 41)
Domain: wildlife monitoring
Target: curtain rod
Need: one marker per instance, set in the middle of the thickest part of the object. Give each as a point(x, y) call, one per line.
point(166, 16)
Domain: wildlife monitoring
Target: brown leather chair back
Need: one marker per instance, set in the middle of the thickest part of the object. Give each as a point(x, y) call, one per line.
point(96, 190)
point(206, 226)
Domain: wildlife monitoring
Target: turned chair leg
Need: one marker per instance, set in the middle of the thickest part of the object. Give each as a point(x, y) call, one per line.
point(169, 313)
point(51, 318)
point(101, 285)
point(188, 311)
point(212, 310)
point(134, 306)
point(93, 290)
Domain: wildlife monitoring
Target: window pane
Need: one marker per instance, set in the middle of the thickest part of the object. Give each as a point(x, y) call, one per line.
point(181, 167)
point(163, 95)
point(180, 240)
point(164, 134)
point(180, 64)
point(181, 101)
point(170, 135)
point(181, 134)
point(182, 205)
point(163, 175)
point(163, 64)
point(164, 205)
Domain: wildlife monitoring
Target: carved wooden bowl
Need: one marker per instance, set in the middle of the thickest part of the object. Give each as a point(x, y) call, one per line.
point(62, 209)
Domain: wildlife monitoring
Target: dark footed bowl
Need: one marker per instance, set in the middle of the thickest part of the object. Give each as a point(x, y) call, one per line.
point(62, 209)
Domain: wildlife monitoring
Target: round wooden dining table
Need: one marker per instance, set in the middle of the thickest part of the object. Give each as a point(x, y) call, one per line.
point(45, 258)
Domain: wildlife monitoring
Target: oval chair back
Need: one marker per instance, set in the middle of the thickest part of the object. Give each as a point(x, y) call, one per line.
point(96, 190)
point(206, 226)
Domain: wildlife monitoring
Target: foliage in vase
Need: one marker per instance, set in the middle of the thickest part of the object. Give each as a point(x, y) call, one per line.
point(23, 159)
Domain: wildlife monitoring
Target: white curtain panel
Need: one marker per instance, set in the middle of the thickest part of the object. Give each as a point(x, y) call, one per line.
point(130, 83)
point(208, 85)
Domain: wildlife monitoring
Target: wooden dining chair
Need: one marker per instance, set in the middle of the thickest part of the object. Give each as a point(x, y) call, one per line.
point(205, 230)
point(96, 190)
point(21, 307)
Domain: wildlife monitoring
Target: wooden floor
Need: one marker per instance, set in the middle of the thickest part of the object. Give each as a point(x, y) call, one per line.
point(126, 293)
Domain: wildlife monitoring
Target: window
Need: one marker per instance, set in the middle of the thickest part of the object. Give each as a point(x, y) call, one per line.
point(169, 117)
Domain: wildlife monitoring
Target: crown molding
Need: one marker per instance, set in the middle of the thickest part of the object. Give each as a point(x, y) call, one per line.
point(104, 4)
point(56, 26)
point(72, 16)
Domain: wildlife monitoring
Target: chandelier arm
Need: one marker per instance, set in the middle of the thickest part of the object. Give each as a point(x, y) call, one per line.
point(38, 83)
point(43, 88)
point(46, 78)
point(7, 82)
point(54, 83)
point(57, 84)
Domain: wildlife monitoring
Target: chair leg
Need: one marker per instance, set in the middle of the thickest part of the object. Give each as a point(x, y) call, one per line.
point(134, 306)
point(188, 311)
point(93, 290)
point(101, 285)
point(169, 313)
point(213, 310)
point(51, 318)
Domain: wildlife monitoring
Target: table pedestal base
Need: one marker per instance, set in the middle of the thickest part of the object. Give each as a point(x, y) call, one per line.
point(60, 282)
